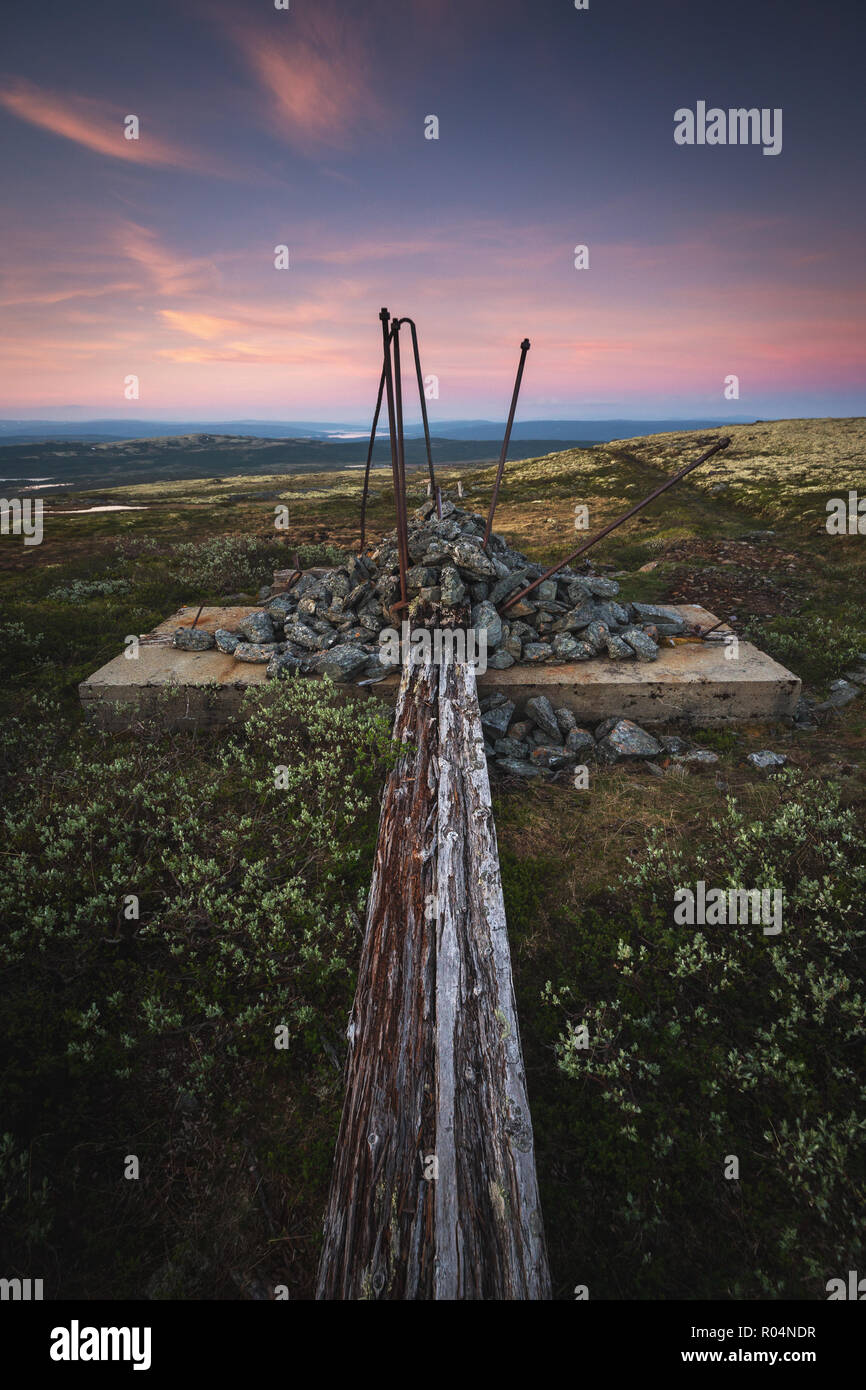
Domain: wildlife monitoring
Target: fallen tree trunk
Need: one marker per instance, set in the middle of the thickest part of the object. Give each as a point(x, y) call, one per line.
point(433, 1193)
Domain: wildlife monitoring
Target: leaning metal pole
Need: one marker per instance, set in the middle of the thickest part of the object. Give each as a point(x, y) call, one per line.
point(400, 500)
point(524, 348)
point(612, 525)
point(433, 489)
point(370, 459)
point(395, 465)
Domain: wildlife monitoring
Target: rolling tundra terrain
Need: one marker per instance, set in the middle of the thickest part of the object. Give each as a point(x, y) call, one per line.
point(152, 1031)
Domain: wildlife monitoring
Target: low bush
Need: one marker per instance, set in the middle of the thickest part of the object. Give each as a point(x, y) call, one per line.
point(815, 647)
point(227, 564)
point(708, 1042)
point(81, 590)
point(172, 908)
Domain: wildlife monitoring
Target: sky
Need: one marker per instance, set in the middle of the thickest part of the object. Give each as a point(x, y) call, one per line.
point(154, 258)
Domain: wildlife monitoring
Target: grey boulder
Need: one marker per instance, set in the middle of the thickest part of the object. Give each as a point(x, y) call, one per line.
point(256, 652)
point(486, 618)
point(257, 627)
point(542, 712)
point(498, 718)
point(341, 663)
point(767, 759)
point(285, 664)
point(641, 644)
point(226, 641)
point(626, 740)
point(193, 639)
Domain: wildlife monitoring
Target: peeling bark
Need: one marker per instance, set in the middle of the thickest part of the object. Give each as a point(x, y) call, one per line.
point(435, 1065)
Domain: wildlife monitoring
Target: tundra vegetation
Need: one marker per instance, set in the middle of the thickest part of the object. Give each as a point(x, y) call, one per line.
point(170, 913)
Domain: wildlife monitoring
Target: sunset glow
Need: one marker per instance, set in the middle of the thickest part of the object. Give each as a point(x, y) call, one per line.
point(155, 256)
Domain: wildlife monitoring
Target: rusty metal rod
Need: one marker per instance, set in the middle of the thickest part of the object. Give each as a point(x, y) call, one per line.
point(296, 573)
point(402, 512)
point(611, 526)
point(400, 483)
point(370, 459)
point(389, 396)
point(524, 348)
point(423, 399)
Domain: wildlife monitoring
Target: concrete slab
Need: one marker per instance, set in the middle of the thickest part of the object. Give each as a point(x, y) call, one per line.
point(691, 683)
point(192, 689)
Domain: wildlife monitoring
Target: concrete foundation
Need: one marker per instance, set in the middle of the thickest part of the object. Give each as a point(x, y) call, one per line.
point(691, 682)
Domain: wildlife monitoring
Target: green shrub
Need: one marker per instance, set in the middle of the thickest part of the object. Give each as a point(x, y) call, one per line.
point(20, 648)
point(81, 590)
point(523, 884)
point(248, 917)
point(722, 740)
point(705, 1042)
point(815, 647)
point(224, 564)
point(313, 555)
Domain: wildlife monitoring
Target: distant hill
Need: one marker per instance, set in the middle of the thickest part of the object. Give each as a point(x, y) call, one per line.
point(106, 431)
point(94, 431)
point(63, 464)
point(598, 431)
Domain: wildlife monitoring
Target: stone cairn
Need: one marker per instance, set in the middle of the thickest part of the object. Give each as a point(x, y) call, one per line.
point(330, 623)
point(542, 741)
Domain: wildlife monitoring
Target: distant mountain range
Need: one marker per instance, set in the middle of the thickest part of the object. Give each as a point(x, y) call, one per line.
point(569, 431)
point(66, 464)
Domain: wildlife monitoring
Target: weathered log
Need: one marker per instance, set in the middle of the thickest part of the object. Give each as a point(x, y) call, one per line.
point(433, 1193)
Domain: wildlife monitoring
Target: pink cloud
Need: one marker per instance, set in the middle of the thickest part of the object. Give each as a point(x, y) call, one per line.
point(96, 126)
point(36, 297)
point(318, 81)
point(639, 327)
point(168, 273)
point(197, 325)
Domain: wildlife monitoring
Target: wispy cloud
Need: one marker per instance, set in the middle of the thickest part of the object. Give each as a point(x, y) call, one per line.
point(204, 326)
point(319, 353)
point(220, 329)
point(97, 126)
point(318, 80)
point(168, 273)
point(50, 297)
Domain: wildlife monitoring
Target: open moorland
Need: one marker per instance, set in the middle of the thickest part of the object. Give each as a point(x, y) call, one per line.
point(165, 908)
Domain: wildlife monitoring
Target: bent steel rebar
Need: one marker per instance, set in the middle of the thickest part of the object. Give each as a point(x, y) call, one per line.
point(392, 431)
point(612, 525)
point(524, 348)
point(400, 492)
point(423, 400)
point(369, 465)
point(434, 490)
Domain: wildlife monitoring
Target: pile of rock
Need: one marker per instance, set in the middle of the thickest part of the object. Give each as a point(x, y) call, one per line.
point(543, 739)
point(330, 624)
